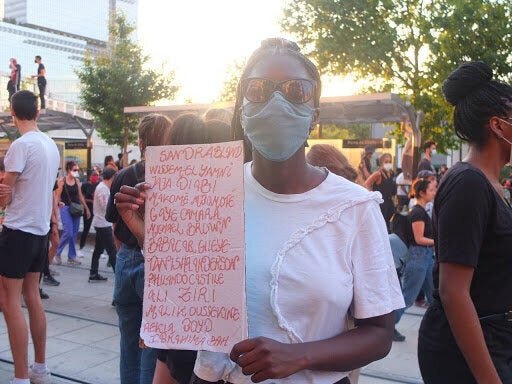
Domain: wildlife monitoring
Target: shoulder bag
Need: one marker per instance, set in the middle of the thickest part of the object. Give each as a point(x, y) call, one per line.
point(75, 209)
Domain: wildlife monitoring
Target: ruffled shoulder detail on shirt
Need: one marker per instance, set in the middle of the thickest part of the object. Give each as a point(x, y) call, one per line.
point(332, 215)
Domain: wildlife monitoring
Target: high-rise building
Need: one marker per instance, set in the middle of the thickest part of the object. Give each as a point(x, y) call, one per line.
point(88, 19)
point(60, 31)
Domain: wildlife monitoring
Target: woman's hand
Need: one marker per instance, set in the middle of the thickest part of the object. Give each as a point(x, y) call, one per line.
point(264, 358)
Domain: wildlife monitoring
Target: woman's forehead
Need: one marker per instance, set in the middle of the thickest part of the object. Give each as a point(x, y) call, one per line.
point(279, 67)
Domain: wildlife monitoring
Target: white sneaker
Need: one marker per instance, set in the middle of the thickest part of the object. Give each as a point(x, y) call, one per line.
point(57, 260)
point(39, 378)
point(80, 254)
point(103, 256)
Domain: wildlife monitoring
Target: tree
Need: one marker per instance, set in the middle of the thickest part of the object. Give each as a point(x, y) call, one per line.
point(233, 74)
point(116, 79)
point(405, 46)
point(342, 131)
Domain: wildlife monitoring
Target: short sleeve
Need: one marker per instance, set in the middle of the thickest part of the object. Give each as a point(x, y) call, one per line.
point(111, 213)
point(462, 209)
point(376, 287)
point(416, 215)
point(16, 157)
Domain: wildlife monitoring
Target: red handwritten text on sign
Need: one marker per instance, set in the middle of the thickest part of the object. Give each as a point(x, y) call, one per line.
point(194, 292)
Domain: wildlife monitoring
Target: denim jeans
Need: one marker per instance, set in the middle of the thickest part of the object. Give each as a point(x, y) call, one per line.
point(104, 241)
point(137, 365)
point(70, 225)
point(417, 275)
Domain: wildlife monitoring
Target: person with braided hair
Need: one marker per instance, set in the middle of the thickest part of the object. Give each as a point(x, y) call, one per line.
point(466, 334)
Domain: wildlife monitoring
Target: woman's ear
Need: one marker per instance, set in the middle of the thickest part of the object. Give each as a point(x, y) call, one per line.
point(495, 126)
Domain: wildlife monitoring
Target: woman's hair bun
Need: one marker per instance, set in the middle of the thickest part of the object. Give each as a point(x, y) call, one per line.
point(467, 78)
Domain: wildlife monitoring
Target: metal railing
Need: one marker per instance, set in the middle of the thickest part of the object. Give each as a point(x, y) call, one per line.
point(62, 95)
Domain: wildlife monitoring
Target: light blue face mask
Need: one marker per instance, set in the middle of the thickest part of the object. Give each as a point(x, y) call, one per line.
point(278, 128)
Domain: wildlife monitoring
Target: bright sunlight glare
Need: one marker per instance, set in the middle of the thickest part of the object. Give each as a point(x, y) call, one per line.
point(200, 39)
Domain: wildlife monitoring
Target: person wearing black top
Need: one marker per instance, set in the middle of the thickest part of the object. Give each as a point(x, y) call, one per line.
point(466, 334)
point(13, 85)
point(137, 365)
point(88, 189)
point(68, 191)
point(365, 168)
point(41, 80)
point(417, 273)
point(429, 149)
point(383, 181)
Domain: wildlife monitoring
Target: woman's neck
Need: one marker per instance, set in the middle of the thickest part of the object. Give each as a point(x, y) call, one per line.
point(489, 160)
point(421, 202)
point(292, 176)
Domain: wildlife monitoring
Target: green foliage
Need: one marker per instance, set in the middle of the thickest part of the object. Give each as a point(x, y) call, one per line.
point(505, 173)
point(233, 74)
point(405, 46)
point(348, 131)
point(117, 79)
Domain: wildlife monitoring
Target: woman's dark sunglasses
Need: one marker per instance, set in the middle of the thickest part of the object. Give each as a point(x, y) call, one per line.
point(260, 90)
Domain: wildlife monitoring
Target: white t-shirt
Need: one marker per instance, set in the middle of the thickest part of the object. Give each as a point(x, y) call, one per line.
point(402, 188)
point(311, 258)
point(99, 206)
point(36, 158)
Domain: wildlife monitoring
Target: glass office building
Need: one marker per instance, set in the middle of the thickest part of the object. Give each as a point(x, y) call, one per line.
point(61, 32)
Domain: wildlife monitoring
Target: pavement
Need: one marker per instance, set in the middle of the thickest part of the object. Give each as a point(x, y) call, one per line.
point(83, 338)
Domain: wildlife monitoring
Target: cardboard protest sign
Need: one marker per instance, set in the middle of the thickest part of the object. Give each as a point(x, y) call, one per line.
point(194, 291)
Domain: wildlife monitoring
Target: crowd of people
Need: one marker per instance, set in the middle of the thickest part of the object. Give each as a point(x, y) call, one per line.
point(326, 224)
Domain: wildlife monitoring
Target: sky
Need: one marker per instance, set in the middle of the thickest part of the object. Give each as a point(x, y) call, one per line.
point(200, 39)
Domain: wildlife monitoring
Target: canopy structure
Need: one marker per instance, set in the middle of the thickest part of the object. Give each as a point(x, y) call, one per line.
point(48, 121)
point(58, 117)
point(367, 108)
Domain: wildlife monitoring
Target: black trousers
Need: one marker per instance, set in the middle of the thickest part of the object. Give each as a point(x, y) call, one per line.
point(442, 362)
point(104, 241)
point(41, 84)
point(87, 226)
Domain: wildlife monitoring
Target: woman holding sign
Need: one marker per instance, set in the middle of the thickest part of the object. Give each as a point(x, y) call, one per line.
point(316, 244)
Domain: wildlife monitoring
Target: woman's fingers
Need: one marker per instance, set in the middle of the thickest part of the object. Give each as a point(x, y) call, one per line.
point(129, 195)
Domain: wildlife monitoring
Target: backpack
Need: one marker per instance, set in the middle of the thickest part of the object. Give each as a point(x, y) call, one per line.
point(401, 226)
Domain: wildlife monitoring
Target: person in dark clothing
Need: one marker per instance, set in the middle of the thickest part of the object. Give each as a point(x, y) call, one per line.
point(88, 189)
point(137, 365)
point(429, 149)
point(465, 336)
point(383, 181)
point(14, 82)
point(119, 161)
point(418, 268)
point(365, 167)
point(104, 239)
point(41, 80)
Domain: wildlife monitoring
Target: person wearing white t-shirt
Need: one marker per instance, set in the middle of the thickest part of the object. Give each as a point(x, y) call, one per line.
point(27, 190)
point(102, 227)
point(316, 245)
